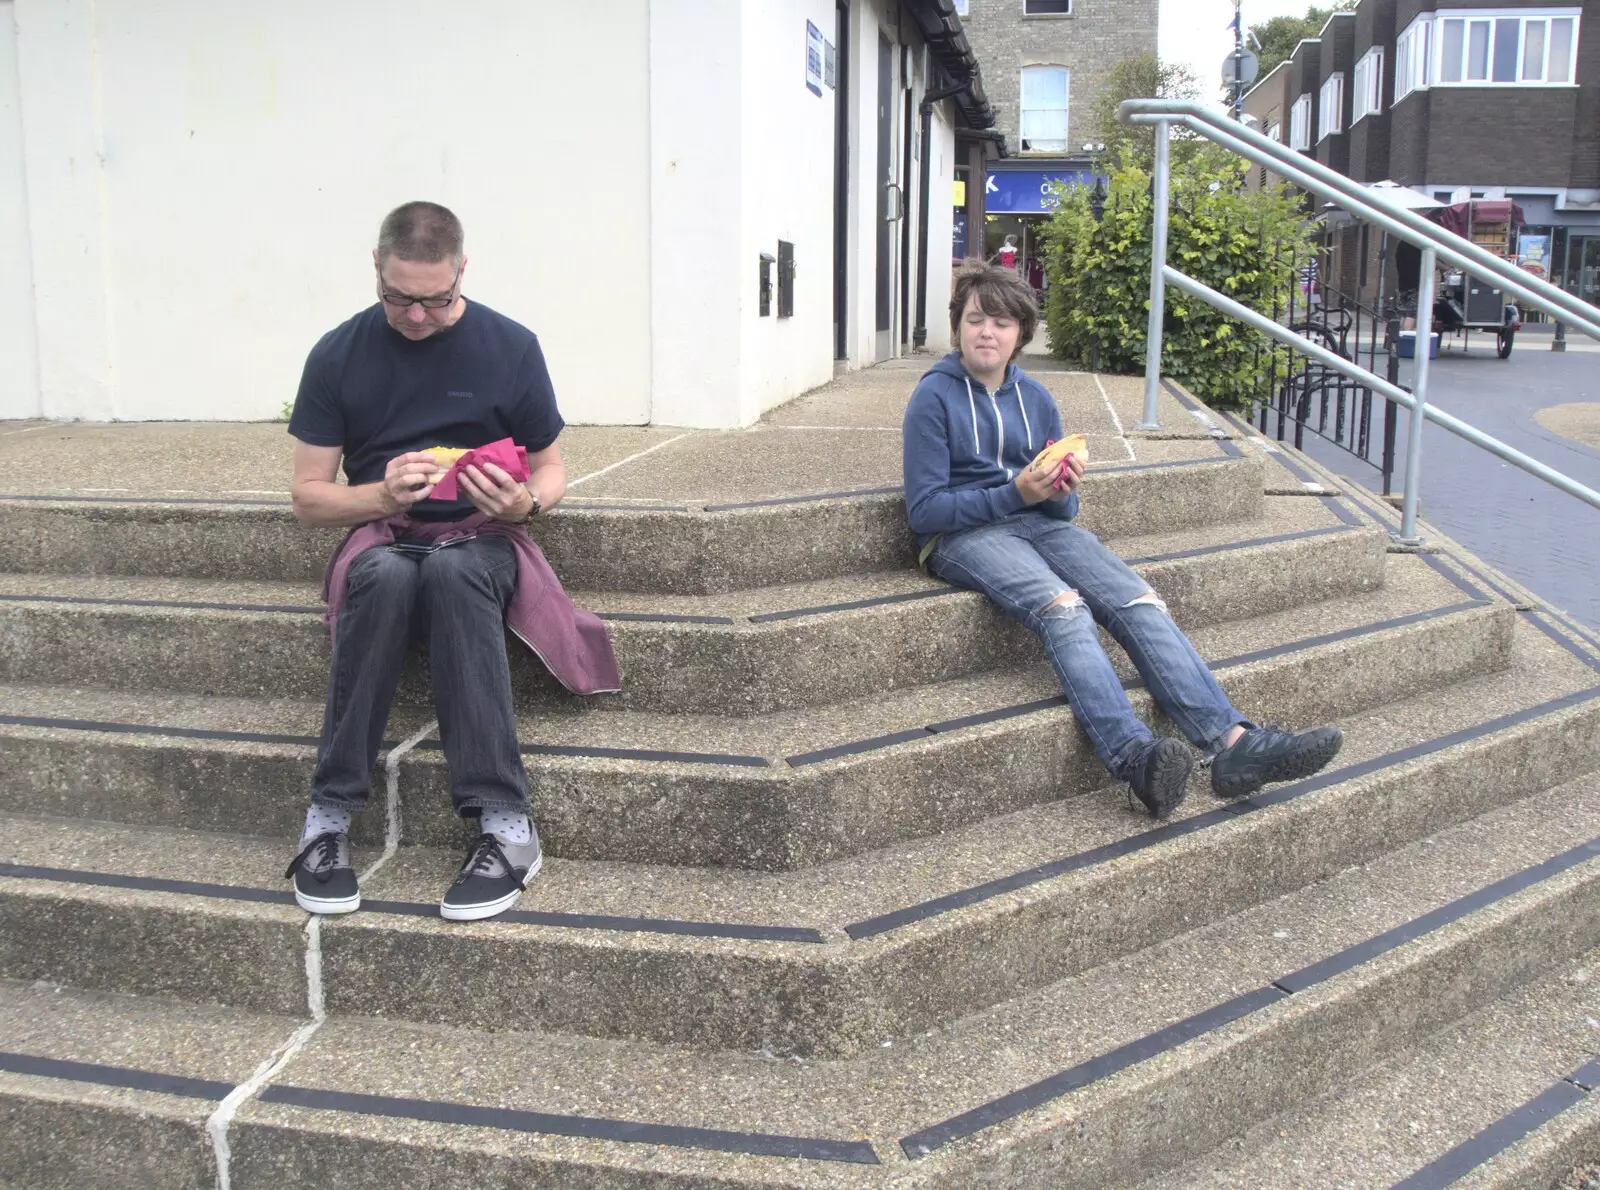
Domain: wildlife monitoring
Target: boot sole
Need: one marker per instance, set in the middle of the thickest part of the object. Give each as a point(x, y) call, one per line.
point(1169, 783)
point(1292, 767)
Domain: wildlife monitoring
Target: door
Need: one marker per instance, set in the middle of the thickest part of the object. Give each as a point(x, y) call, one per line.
point(885, 186)
point(841, 185)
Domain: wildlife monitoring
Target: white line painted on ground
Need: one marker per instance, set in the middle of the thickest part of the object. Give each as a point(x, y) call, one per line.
point(878, 429)
point(217, 1122)
point(624, 462)
point(1115, 420)
point(30, 429)
point(391, 773)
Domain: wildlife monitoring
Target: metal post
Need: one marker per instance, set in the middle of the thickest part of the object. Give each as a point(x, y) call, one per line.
point(1559, 343)
point(1419, 390)
point(1158, 283)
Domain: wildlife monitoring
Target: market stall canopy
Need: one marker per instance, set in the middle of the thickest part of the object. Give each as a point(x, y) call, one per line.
point(1397, 195)
point(1462, 215)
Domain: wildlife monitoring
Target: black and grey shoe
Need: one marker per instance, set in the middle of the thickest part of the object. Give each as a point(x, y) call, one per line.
point(1160, 777)
point(491, 879)
point(324, 881)
point(1266, 754)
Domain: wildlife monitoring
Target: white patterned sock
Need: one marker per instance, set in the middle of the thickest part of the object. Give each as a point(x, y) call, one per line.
point(322, 819)
point(512, 826)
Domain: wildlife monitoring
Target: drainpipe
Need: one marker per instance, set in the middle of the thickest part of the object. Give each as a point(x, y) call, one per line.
point(919, 336)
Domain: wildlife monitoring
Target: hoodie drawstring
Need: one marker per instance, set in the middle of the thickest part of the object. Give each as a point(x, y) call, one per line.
point(972, 404)
point(1016, 387)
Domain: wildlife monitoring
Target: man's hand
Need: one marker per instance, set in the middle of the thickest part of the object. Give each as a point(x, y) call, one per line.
point(492, 490)
point(407, 479)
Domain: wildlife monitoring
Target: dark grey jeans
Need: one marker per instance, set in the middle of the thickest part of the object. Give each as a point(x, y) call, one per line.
point(454, 601)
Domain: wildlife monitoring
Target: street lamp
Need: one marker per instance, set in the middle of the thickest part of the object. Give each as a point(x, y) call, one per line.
point(1097, 196)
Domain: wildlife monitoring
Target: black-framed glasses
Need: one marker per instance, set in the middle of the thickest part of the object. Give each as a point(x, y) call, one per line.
point(427, 303)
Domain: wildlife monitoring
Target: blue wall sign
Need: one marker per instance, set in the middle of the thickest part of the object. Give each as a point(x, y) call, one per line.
point(959, 238)
point(1028, 191)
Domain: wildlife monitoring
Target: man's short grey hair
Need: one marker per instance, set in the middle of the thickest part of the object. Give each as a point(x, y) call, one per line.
point(421, 232)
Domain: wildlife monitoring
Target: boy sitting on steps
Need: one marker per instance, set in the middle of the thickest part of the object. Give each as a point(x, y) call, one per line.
point(987, 520)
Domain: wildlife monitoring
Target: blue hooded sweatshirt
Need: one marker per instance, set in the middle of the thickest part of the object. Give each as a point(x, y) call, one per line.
point(964, 447)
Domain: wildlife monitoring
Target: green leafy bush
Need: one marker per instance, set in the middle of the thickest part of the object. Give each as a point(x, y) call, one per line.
point(1240, 242)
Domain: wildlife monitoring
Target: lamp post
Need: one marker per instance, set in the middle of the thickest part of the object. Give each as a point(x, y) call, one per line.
point(1097, 208)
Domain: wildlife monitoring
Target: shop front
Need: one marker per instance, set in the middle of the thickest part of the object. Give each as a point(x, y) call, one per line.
point(1017, 204)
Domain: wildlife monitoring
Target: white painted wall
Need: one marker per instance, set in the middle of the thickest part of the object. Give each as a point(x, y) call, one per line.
point(786, 146)
point(19, 363)
point(206, 181)
point(941, 227)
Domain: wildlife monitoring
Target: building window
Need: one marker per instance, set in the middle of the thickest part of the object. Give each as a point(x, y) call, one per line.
point(1044, 109)
point(1046, 8)
point(1413, 54)
point(1368, 97)
point(1330, 107)
point(962, 6)
point(1488, 47)
point(1300, 123)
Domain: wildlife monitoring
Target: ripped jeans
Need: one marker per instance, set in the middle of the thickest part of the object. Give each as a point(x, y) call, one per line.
point(1058, 580)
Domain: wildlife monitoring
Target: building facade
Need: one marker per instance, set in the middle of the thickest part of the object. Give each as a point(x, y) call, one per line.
point(1044, 63)
point(1459, 99)
point(702, 207)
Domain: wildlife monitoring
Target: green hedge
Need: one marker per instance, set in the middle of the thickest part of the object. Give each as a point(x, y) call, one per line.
point(1240, 242)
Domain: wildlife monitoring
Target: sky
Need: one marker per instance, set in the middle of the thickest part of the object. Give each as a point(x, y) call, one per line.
point(1196, 34)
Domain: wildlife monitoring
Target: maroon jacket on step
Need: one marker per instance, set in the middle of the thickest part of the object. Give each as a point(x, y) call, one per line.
point(571, 642)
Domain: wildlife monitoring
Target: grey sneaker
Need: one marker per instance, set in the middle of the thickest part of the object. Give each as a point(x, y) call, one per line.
point(1266, 754)
point(491, 879)
point(1160, 776)
point(324, 881)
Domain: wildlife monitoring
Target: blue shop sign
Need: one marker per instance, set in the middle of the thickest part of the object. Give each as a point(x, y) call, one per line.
point(1028, 191)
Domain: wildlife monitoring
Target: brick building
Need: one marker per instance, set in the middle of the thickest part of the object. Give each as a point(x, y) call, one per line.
point(1044, 63)
point(1456, 98)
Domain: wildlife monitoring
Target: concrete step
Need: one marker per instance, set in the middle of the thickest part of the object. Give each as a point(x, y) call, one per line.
point(684, 549)
point(1491, 1100)
point(235, 639)
point(776, 791)
point(1107, 1077)
point(830, 962)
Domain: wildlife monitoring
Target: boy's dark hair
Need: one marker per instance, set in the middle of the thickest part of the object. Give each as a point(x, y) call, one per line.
point(421, 232)
point(1000, 292)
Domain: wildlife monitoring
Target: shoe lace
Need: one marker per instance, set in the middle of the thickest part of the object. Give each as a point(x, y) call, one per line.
point(485, 852)
point(326, 848)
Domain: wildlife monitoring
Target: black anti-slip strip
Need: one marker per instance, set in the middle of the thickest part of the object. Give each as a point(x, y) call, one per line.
point(1363, 952)
point(869, 745)
point(997, 1111)
point(1333, 504)
point(189, 733)
point(664, 618)
point(1022, 708)
point(626, 925)
point(1329, 638)
point(1200, 551)
point(1229, 447)
point(652, 754)
point(855, 604)
point(191, 888)
point(506, 1119)
point(805, 499)
point(197, 606)
point(147, 500)
point(1444, 569)
point(1497, 1137)
point(568, 921)
point(1109, 851)
point(1561, 639)
point(114, 1076)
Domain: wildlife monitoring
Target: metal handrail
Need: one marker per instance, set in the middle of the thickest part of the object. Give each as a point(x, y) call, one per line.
point(1434, 241)
point(1407, 224)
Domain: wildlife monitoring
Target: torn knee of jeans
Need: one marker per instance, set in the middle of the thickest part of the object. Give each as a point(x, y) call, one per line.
point(1149, 598)
point(1068, 603)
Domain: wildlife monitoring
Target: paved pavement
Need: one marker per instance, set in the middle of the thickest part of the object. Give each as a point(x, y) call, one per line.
point(1544, 538)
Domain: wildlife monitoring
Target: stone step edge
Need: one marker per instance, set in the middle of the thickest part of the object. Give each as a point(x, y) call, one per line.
point(762, 767)
point(818, 942)
point(604, 508)
point(1367, 968)
point(773, 616)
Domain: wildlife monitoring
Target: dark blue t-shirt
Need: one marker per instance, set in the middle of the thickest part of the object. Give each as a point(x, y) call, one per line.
point(376, 394)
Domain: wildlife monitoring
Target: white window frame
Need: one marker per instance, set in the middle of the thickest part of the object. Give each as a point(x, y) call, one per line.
point(963, 8)
point(1413, 57)
point(1330, 107)
point(1368, 97)
point(1036, 15)
point(1461, 64)
point(1300, 123)
point(1023, 140)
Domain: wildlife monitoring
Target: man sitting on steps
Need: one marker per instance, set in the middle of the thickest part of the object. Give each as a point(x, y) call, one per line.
point(987, 520)
point(424, 367)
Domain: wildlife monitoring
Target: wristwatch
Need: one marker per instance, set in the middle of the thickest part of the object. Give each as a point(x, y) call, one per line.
point(533, 509)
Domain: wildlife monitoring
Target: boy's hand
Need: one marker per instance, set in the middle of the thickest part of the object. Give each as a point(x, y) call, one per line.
point(1067, 482)
point(1038, 485)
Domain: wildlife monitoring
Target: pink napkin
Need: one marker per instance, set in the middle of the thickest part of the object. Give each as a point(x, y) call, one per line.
point(505, 454)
